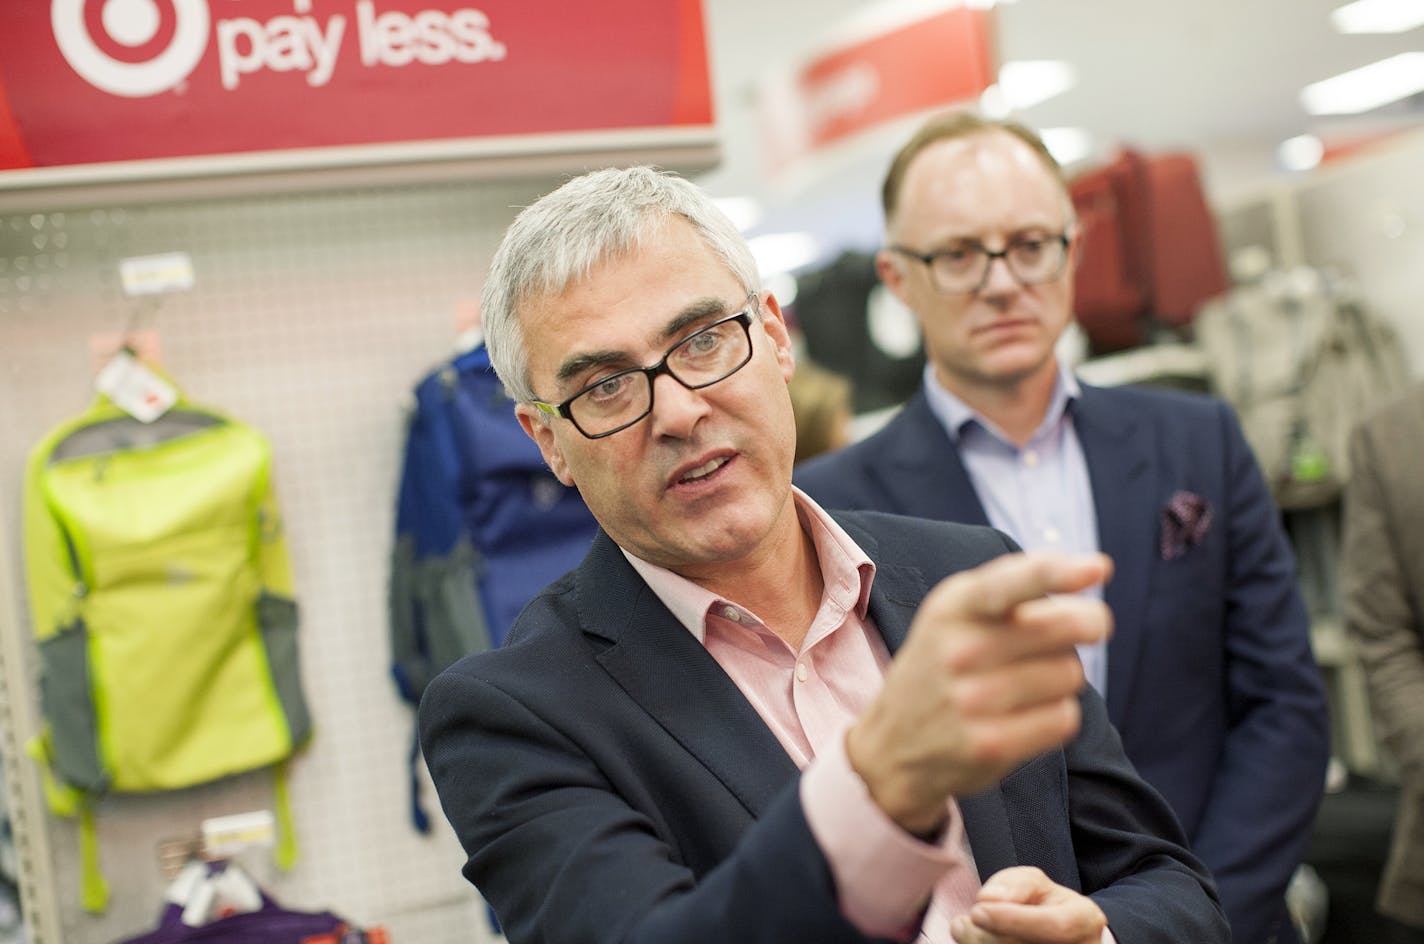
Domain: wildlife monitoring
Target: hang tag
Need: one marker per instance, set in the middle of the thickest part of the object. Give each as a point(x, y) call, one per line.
point(135, 389)
point(152, 275)
point(225, 836)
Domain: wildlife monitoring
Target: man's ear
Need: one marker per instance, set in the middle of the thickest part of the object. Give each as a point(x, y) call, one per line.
point(543, 435)
point(1075, 247)
point(774, 323)
point(887, 267)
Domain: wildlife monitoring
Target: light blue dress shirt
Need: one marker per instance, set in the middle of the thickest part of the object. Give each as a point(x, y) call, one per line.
point(1038, 494)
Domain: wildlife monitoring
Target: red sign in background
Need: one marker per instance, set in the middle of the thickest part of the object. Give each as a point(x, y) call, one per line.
point(938, 59)
point(88, 81)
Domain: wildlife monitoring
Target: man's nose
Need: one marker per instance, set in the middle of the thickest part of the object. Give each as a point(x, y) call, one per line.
point(676, 409)
point(999, 279)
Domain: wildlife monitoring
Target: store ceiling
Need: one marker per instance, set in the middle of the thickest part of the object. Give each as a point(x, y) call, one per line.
point(1221, 78)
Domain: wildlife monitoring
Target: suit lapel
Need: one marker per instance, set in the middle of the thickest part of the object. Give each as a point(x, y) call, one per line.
point(1118, 447)
point(921, 473)
point(664, 669)
point(897, 590)
point(986, 824)
point(894, 597)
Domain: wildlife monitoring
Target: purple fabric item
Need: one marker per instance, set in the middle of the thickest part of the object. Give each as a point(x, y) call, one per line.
point(272, 924)
point(1185, 522)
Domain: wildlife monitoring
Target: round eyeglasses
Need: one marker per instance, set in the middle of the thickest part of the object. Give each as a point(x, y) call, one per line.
point(964, 267)
point(613, 403)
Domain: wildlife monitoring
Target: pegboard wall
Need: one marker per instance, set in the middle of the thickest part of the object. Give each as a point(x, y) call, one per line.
point(312, 317)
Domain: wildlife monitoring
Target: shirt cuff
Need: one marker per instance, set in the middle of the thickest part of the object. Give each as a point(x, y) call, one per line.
point(883, 875)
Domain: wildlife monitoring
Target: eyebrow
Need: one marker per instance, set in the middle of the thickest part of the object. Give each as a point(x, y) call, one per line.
point(691, 314)
point(1016, 234)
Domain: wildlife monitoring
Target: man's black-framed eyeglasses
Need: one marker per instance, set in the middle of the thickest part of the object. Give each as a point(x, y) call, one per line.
point(613, 403)
point(964, 267)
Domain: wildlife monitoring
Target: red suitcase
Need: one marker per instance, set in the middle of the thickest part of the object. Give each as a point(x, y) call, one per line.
point(1151, 254)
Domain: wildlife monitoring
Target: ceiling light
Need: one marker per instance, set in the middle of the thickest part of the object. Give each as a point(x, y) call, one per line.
point(784, 286)
point(1027, 83)
point(784, 252)
point(1067, 145)
point(1367, 87)
point(1301, 152)
point(994, 104)
point(1378, 16)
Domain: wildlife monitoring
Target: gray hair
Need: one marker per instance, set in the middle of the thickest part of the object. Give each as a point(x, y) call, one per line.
point(559, 238)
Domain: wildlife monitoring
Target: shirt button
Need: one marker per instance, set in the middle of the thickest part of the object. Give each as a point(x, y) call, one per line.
point(1030, 458)
point(1051, 535)
point(801, 672)
point(732, 614)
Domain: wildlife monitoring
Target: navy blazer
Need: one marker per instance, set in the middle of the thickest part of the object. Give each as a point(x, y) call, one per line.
point(1210, 676)
point(609, 782)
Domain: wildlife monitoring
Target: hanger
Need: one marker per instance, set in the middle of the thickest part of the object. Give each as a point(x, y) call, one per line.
point(144, 308)
point(127, 379)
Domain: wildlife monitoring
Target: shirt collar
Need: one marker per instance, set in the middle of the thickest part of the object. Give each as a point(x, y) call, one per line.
point(836, 553)
point(956, 415)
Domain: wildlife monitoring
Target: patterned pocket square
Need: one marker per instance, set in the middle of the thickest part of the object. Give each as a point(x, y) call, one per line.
point(1185, 521)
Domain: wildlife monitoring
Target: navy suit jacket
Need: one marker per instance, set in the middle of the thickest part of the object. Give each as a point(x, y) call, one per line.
point(609, 782)
point(1211, 681)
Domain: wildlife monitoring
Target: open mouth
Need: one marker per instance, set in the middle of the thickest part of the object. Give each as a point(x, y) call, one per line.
point(704, 471)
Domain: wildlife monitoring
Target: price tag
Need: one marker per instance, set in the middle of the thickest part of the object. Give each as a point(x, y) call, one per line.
point(153, 275)
point(225, 836)
point(135, 389)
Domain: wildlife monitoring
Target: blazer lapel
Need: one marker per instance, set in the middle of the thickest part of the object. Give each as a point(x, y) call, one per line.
point(897, 590)
point(1118, 448)
point(921, 473)
point(664, 669)
point(661, 666)
point(894, 597)
point(986, 824)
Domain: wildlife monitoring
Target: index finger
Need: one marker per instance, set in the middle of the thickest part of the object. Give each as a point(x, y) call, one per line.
point(993, 589)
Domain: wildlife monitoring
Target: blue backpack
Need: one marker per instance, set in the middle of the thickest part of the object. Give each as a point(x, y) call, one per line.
point(482, 526)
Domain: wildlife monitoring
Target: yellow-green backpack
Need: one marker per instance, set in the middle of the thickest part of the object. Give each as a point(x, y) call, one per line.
point(162, 601)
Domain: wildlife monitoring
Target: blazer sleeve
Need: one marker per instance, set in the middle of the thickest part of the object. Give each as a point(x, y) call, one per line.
point(563, 859)
point(1131, 853)
point(1270, 778)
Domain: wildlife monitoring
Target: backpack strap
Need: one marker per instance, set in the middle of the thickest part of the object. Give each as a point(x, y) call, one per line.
point(93, 887)
point(69, 801)
point(285, 851)
point(418, 817)
point(65, 800)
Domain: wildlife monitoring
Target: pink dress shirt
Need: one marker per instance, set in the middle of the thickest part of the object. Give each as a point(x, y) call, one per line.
point(884, 876)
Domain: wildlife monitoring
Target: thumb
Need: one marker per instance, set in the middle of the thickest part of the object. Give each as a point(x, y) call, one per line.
point(1021, 883)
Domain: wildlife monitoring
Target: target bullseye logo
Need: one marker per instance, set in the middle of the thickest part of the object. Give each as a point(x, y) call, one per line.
point(132, 24)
